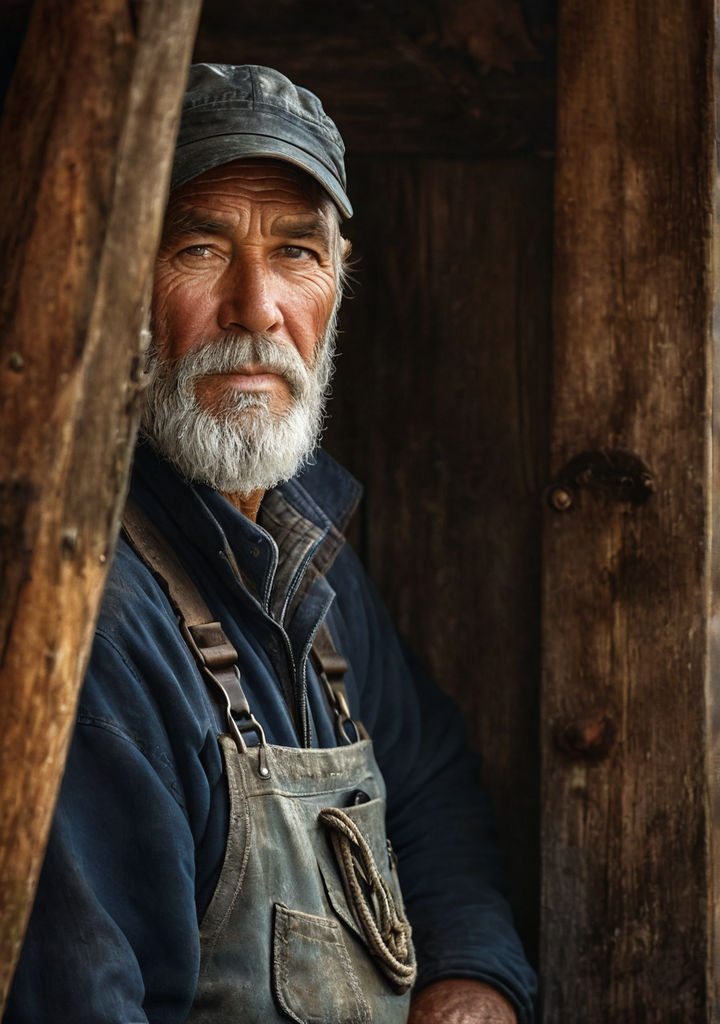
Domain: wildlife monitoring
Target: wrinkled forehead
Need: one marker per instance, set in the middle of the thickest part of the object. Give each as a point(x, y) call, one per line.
point(256, 170)
point(254, 181)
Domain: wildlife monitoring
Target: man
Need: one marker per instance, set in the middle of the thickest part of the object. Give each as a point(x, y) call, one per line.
point(218, 852)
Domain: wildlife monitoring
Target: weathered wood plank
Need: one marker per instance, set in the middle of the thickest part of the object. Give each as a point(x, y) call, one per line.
point(85, 150)
point(627, 878)
point(440, 409)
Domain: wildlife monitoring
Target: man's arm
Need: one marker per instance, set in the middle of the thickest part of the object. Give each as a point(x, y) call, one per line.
point(113, 932)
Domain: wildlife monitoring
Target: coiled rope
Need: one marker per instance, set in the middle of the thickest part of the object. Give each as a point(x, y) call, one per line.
point(386, 929)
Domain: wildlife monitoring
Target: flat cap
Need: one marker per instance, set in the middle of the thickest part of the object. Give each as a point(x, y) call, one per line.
point(230, 112)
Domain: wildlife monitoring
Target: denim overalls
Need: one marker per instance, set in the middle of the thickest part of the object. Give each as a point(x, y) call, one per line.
point(306, 922)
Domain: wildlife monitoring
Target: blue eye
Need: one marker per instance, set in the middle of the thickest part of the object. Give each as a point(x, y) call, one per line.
point(196, 250)
point(299, 252)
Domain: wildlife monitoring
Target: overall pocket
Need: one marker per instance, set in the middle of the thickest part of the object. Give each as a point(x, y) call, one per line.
point(313, 978)
point(358, 869)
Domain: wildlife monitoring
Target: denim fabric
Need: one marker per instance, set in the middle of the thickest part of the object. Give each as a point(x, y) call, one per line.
point(140, 830)
point(272, 944)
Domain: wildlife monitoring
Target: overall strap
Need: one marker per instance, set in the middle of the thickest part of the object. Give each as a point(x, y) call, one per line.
point(331, 668)
point(215, 655)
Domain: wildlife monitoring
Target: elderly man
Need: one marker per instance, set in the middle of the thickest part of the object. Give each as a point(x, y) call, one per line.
point(219, 852)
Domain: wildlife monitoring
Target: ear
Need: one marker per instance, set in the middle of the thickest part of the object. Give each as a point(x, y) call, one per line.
point(345, 248)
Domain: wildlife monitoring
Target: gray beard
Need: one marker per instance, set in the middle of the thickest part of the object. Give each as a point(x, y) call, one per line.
point(239, 445)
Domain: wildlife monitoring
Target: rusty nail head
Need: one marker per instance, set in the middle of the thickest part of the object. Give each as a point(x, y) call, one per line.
point(561, 499)
point(589, 736)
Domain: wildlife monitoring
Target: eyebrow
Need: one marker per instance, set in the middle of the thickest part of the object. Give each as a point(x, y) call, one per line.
point(311, 227)
point(189, 223)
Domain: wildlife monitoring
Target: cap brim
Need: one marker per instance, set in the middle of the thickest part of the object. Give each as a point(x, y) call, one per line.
point(202, 155)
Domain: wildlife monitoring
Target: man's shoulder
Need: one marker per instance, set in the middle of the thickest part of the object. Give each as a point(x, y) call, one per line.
point(136, 627)
point(140, 674)
point(130, 591)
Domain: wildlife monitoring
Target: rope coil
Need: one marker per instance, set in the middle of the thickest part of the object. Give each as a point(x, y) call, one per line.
point(386, 929)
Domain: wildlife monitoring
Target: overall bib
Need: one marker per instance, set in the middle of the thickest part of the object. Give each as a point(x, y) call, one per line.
point(306, 922)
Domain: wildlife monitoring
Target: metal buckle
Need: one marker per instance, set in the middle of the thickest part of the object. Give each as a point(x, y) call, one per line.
point(249, 723)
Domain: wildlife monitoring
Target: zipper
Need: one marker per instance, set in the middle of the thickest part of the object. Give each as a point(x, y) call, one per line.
point(302, 696)
point(299, 714)
point(303, 705)
point(302, 722)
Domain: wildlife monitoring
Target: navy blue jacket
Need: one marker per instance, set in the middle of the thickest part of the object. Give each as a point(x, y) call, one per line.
point(139, 832)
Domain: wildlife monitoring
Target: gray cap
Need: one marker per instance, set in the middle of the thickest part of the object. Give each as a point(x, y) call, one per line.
point(249, 111)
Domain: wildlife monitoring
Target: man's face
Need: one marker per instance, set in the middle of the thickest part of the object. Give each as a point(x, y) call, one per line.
point(243, 321)
point(246, 248)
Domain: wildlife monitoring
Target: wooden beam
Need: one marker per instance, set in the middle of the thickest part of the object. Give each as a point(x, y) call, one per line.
point(85, 151)
point(627, 893)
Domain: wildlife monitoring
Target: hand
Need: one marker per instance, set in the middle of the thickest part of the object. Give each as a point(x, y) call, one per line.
point(457, 1001)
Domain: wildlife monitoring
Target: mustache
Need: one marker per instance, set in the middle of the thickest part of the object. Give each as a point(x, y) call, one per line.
point(231, 353)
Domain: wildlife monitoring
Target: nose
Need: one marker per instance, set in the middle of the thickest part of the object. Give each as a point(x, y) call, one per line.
point(247, 299)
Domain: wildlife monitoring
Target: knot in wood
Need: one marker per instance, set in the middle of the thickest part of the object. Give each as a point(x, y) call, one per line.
point(69, 543)
point(589, 737)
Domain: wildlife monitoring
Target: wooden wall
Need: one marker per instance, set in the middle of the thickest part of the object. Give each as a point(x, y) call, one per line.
point(439, 409)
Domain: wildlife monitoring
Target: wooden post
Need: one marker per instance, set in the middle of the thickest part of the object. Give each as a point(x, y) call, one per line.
point(627, 795)
point(85, 152)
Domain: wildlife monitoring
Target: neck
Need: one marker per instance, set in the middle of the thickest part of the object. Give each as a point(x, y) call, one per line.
point(248, 504)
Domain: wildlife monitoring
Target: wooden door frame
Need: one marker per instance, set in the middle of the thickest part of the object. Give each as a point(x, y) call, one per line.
point(86, 147)
point(627, 710)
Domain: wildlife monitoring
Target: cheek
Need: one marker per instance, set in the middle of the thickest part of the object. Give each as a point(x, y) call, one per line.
point(181, 315)
point(309, 306)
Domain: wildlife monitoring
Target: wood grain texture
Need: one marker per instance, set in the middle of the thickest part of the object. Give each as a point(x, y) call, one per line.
point(440, 409)
point(627, 890)
point(85, 149)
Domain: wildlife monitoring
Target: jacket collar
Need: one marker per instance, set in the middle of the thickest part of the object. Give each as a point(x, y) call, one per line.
point(323, 492)
point(331, 488)
point(296, 539)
